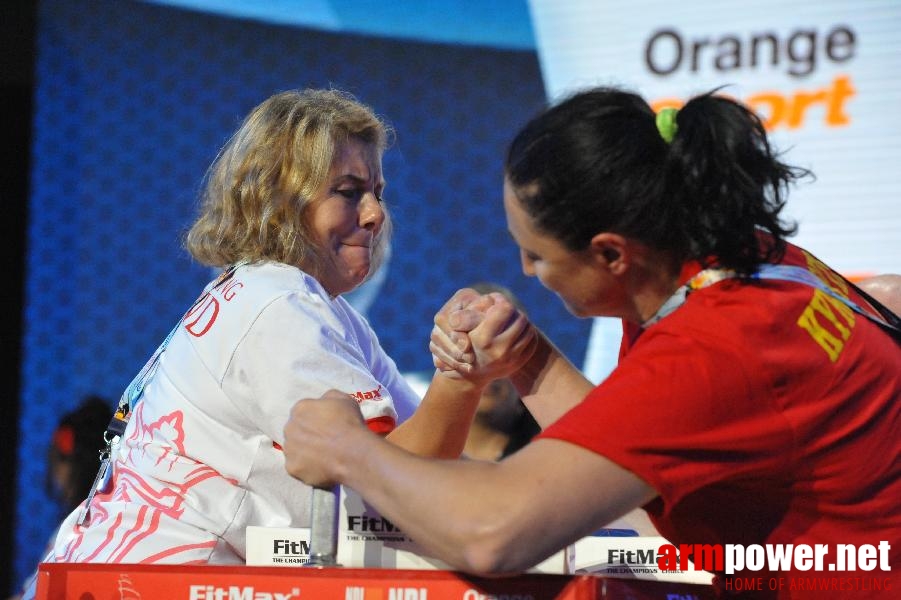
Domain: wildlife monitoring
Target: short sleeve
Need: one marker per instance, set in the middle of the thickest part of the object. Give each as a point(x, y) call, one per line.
point(299, 347)
point(405, 398)
point(681, 414)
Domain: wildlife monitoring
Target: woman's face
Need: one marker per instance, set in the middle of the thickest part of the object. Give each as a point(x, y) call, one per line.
point(576, 277)
point(346, 217)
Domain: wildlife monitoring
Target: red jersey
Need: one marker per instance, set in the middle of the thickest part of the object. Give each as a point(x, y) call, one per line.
point(762, 412)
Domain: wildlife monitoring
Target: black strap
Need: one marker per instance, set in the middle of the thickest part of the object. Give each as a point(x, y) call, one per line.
point(892, 323)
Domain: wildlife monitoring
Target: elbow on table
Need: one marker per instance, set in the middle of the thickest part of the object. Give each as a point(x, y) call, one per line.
point(494, 552)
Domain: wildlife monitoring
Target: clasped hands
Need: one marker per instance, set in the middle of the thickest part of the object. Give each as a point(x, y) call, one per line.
point(480, 337)
point(476, 338)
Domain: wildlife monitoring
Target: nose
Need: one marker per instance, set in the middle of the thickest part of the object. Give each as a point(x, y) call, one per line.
point(528, 268)
point(372, 214)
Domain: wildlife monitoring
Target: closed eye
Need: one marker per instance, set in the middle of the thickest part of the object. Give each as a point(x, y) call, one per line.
point(350, 193)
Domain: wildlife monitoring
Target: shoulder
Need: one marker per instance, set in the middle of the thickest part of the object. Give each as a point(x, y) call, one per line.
point(281, 284)
point(261, 287)
point(257, 294)
point(276, 278)
point(288, 304)
point(884, 288)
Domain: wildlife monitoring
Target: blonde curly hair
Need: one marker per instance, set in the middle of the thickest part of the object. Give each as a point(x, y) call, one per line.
point(258, 191)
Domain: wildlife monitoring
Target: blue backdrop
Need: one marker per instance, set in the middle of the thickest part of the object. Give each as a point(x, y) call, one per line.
point(133, 101)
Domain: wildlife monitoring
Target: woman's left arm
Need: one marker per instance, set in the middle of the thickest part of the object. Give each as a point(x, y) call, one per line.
point(480, 517)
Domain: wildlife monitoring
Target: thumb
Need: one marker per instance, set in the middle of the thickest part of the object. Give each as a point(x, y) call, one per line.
point(465, 319)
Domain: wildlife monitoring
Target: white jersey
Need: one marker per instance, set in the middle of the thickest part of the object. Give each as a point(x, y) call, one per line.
point(201, 457)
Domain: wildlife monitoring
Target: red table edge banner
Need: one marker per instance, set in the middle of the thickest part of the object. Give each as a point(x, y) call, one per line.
point(143, 582)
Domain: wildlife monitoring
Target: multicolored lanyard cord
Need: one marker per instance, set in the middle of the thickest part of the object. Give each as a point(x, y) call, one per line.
point(703, 279)
point(887, 320)
point(131, 396)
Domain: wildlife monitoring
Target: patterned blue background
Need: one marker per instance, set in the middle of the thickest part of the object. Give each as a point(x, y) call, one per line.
point(132, 102)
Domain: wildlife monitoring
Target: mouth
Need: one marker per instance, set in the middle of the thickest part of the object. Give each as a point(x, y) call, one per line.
point(355, 252)
point(357, 242)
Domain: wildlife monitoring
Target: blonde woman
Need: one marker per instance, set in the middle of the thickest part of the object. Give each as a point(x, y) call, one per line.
point(293, 213)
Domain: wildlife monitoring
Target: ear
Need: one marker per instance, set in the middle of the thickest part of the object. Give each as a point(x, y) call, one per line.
point(612, 251)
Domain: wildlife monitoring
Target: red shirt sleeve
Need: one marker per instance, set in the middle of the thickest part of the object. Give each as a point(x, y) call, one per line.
point(682, 413)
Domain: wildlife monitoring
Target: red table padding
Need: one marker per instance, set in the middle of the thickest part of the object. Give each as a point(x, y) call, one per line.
point(176, 582)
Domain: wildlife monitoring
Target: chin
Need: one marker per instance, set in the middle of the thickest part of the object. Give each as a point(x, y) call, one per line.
point(576, 311)
point(353, 284)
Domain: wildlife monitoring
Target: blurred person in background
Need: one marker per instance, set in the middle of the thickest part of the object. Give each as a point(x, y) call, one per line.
point(885, 288)
point(502, 424)
point(73, 457)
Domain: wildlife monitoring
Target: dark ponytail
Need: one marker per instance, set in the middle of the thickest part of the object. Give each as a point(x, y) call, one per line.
point(596, 162)
point(727, 179)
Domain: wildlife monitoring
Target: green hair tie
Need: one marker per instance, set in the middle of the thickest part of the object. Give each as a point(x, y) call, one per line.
point(666, 124)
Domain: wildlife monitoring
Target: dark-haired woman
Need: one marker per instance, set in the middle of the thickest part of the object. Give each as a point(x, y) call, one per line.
point(758, 396)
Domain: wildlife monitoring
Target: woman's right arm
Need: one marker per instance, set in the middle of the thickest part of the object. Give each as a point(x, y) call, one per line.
point(549, 383)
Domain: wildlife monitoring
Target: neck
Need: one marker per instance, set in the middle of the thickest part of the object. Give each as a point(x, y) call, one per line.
point(652, 287)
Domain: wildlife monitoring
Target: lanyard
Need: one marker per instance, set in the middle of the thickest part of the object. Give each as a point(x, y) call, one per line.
point(701, 280)
point(887, 320)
